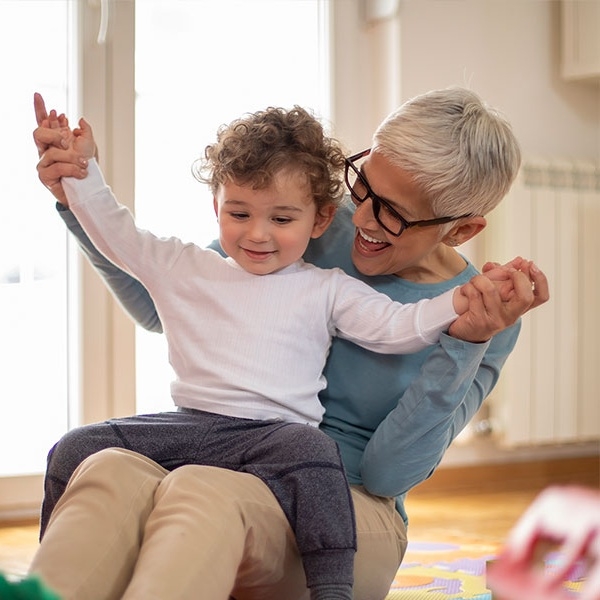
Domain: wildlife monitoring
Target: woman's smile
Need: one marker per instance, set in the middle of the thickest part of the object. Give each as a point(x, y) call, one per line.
point(364, 243)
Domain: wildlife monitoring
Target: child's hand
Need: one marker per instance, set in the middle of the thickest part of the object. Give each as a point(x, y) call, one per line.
point(492, 305)
point(52, 129)
point(58, 149)
point(495, 300)
point(83, 142)
point(502, 276)
point(536, 278)
point(80, 139)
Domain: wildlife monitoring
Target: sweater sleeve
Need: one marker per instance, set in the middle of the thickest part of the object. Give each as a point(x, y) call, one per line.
point(375, 322)
point(410, 442)
point(112, 229)
point(129, 292)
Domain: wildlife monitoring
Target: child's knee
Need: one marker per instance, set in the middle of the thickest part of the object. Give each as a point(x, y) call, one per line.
point(312, 444)
point(71, 448)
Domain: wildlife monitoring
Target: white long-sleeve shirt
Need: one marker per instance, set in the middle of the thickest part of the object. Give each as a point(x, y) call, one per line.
point(245, 345)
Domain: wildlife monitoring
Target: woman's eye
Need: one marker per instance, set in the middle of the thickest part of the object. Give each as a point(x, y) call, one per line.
point(391, 213)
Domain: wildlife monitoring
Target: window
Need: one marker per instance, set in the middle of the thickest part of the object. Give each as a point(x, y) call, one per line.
point(198, 65)
point(34, 296)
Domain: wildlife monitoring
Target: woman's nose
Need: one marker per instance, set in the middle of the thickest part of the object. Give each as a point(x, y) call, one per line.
point(363, 215)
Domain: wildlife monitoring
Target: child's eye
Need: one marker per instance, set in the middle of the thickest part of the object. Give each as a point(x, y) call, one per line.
point(239, 215)
point(282, 220)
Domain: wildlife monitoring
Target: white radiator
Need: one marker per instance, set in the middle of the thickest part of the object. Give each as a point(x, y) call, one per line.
point(549, 391)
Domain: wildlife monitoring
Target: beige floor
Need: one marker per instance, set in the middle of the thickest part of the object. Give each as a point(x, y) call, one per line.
point(484, 517)
point(17, 546)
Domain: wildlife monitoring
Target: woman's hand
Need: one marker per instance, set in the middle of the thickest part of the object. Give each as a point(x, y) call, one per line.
point(58, 157)
point(537, 279)
point(498, 298)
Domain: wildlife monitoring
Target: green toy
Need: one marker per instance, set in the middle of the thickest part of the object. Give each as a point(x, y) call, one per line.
point(30, 588)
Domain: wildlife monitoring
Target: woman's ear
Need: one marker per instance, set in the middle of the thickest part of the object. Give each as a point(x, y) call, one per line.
point(463, 232)
point(323, 220)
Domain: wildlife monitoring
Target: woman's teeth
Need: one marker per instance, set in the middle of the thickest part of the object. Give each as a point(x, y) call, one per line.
point(368, 238)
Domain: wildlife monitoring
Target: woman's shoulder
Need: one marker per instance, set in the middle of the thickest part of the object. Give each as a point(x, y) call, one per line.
point(332, 249)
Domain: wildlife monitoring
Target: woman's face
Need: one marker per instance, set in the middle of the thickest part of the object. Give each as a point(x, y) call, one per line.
point(416, 252)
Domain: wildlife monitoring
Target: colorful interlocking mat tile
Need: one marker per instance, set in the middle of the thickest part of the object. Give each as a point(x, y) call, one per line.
point(446, 571)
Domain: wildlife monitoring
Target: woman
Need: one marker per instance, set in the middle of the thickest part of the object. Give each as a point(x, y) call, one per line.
point(125, 527)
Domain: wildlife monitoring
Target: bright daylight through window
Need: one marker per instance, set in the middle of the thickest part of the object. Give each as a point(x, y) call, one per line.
point(33, 251)
point(192, 75)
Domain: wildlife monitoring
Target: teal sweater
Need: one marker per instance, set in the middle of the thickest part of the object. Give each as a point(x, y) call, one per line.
point(393, 417)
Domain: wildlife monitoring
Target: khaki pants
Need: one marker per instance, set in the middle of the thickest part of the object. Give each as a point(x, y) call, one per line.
point(127, 528)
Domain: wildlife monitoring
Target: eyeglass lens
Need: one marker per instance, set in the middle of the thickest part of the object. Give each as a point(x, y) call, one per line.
point(384, 215)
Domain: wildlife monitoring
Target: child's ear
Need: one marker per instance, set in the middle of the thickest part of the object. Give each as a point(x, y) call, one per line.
point(216, 207)
point(323, 220)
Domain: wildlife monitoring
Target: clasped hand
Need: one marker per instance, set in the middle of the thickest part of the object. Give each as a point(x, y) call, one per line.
point(498, 298)
point(62, 152)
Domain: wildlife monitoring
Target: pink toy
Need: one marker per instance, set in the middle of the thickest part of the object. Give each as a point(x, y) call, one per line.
point(566, 519)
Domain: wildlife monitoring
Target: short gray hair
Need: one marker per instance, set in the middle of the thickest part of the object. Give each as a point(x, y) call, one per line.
point(461, 153)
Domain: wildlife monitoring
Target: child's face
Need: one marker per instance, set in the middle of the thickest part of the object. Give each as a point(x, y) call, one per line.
point(269, 229)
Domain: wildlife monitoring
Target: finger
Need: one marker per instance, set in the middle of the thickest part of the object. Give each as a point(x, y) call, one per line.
point(52, 176)
point(477, 309)
point(491, 309)
point(484, 285)
point(85, 128)
point(472, 325)
point(523, 287)
point(53, 119)
point(499, 273)
point(515, 263)
point(39, 107)
point(62, 120)
point(54, 154)
point(541, 289)
point(488, 266)
point(45, 137)
point(524, 292)
point(570, 552)
point(473, 294)
point(502, 304)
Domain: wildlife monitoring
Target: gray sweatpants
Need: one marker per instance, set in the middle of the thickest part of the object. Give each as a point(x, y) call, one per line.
point(300, 464)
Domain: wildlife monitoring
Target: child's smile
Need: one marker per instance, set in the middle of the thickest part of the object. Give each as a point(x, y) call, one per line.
point(266, 230)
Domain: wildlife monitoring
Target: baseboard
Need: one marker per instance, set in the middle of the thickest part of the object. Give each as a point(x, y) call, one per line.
point(524, 475)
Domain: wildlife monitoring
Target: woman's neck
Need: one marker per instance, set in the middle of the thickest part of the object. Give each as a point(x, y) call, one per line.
point(442, 264)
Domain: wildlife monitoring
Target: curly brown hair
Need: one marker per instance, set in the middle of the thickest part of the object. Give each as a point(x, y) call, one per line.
point(254, 149)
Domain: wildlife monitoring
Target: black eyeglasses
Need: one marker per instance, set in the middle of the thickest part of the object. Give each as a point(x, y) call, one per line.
point(385, 214)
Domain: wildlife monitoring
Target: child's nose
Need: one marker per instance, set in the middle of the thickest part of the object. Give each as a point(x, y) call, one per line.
point(259, 231)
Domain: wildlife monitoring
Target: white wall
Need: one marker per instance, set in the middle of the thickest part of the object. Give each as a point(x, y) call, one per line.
point(509, 52)
point(506, 50)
